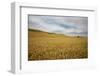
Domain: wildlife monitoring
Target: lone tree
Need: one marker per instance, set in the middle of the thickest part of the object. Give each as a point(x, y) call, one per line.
point(78, 36)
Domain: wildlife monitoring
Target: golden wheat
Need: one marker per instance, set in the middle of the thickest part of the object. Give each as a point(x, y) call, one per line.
point(46, 46)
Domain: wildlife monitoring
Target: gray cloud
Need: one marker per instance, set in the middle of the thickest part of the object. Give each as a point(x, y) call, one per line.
point(67, 25)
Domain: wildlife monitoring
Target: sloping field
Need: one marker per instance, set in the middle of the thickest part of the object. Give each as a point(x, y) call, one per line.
point(50, 46)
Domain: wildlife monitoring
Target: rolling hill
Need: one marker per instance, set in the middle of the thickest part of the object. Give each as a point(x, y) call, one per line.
point(50, 46)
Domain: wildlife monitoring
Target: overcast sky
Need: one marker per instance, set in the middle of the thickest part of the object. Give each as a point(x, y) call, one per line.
point(67, 25)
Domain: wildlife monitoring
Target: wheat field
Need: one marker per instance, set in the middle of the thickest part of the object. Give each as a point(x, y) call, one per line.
point(50, 46)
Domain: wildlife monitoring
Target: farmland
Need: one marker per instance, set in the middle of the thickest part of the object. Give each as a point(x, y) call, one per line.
point(50, 46)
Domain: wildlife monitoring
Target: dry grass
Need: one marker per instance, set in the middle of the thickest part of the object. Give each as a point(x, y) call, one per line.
point(48, 46)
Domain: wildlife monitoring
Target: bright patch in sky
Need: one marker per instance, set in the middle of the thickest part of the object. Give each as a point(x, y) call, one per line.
point(67, 25)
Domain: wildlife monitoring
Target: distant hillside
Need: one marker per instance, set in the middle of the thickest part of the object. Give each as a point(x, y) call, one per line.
point(42, 32)
point(35, 30)
point(45, 33)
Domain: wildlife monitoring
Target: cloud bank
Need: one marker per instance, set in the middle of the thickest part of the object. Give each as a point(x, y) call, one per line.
point(67, 25)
